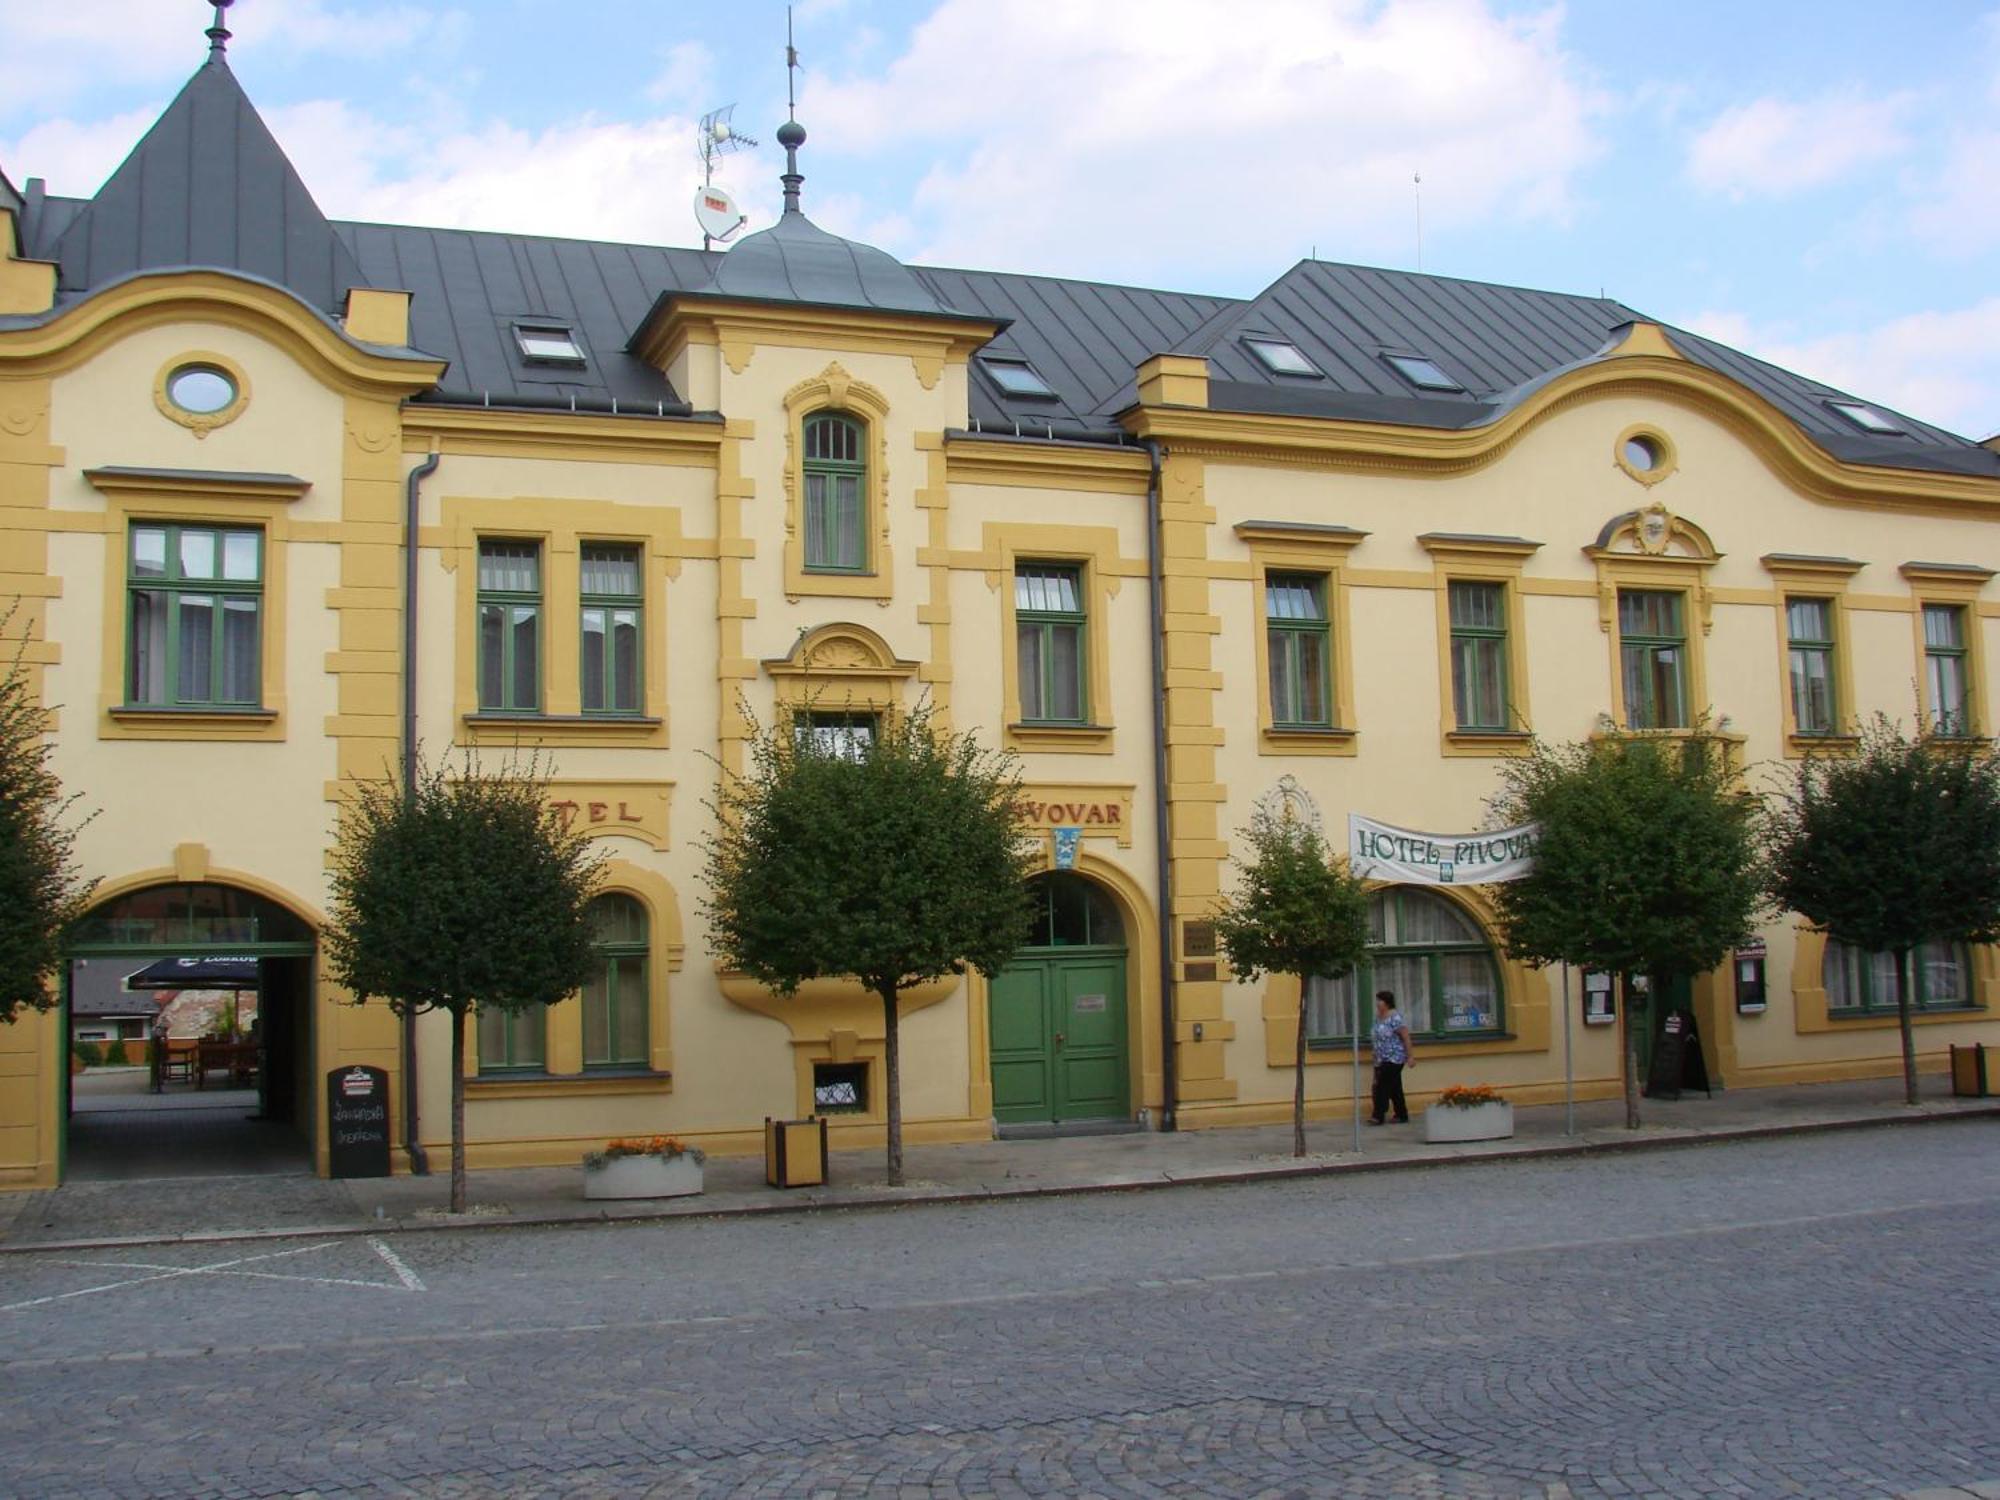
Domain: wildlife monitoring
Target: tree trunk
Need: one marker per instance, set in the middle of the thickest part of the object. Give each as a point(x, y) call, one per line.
point(458, 1018)
point(892, 1066)
point(1299, 1078)
point(1631, 1051)
point(1903, 1025)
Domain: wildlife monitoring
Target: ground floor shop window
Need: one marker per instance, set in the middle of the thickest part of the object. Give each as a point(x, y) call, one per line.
point(1431, 955)
point(1858, 982)
point(513, 1042)
point(616, 995)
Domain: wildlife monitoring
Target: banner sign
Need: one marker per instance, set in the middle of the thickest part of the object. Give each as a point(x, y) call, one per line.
point(1379, 851)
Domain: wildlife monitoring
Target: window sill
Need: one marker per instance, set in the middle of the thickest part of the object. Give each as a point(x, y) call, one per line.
point(564, 729)
point(597, 1081)
point(1487, 741)
point(1889, 1012)
point(1306, 739)
point(1799, 744)
point(1090, 739)
point(1424, 1041)
point(141, 713)
point(139, 721)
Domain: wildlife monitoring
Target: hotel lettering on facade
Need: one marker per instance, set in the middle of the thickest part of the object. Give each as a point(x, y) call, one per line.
point(1368, 530)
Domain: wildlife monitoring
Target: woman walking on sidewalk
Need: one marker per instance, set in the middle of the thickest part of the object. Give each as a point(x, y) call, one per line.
point(1391, 1040)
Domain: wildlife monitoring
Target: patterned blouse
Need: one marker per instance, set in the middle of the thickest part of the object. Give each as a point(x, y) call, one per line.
point(1389, 1039)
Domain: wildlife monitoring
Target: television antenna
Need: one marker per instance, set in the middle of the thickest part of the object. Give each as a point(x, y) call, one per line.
point(712, 205)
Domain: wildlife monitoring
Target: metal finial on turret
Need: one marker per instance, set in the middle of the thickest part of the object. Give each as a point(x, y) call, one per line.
point(218, 34)
point(791, 134)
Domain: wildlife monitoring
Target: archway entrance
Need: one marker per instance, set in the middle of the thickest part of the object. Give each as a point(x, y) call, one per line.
point(210, 1074)
point(1060, 1038)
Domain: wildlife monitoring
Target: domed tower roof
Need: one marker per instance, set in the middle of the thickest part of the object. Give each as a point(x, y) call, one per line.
point(797, 261)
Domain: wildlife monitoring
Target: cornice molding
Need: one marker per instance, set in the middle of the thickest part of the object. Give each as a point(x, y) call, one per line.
point(1444, 453)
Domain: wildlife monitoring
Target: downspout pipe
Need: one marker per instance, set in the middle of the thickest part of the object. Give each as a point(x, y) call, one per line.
point(1163, 831)
point(419, 1162)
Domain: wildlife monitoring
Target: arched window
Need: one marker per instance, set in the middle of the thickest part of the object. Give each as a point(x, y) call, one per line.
point(1431, 955)
point(616, 996)
point(1071, 912)
point(836, 475)
point(1940, 978)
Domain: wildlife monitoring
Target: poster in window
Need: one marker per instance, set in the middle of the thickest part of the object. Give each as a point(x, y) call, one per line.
point(1597, 1003)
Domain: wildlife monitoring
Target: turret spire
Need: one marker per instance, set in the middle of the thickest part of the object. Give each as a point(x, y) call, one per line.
point(791, 134)
point(218, 33)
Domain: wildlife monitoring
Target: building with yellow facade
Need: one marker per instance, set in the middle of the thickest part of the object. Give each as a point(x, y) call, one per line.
point(281, 497)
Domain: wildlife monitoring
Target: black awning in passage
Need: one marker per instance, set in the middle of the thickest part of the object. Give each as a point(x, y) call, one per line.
point(224, 972)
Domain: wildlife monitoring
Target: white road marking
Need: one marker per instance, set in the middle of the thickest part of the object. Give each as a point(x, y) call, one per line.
point(406, 1279)
point(404, 1274)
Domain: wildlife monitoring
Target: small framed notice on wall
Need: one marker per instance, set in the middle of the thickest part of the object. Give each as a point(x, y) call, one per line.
point(1598, 1008)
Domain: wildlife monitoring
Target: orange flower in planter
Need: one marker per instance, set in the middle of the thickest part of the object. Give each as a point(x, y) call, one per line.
point(669, 1146)
point(1470, 1096)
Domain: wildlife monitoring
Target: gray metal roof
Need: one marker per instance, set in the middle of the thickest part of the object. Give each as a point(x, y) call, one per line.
point(208, 186)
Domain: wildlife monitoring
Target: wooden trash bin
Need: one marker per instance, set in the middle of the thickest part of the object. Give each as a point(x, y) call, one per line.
point(1968, 1071)
point(795, 1152)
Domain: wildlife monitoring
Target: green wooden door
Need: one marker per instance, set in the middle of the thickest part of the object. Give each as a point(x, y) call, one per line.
point(1675, 993)
point(1058, 1030)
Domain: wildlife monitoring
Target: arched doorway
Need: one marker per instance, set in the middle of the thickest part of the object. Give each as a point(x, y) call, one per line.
point(225, 977)
point(1056, 1016)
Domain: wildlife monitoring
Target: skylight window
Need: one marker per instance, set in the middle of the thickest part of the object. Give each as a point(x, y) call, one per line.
point(1281, 358)
point(549, 343)
point(1867, 418)
point(1422, 373)
point(1017, 377)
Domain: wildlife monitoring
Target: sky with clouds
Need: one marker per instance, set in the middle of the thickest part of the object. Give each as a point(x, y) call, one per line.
point(1816, 181)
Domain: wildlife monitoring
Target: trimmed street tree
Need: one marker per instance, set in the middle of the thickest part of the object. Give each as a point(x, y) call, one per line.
point(1647, 863)
point(1891, 847)
point(466, 895)
point(1297, 910)
point(892, 857)
point(41, 893)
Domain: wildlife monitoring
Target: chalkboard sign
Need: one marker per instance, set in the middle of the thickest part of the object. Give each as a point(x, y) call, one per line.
point(357, 1122)
point(1677, 1059)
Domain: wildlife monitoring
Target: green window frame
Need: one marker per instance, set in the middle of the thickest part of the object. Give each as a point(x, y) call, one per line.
point(1432, 955)
point(836, 504)
point(617, 998)
point(194, 616)
point(612, 617)
point(1860, 983)
point(1299, 642)
point(1652, 650)
point(510, 625)
point(513, 1041)
point(1948, 670)
point(1479, 696)
point(1810, 646)
point(1050, 625)
point(1068, 911)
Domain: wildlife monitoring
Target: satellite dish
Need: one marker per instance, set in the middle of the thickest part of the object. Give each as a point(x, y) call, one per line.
point(717, 213)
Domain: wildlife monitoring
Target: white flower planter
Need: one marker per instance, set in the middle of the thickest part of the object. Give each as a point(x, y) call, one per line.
point(643, 1177)
point(1482, 1122)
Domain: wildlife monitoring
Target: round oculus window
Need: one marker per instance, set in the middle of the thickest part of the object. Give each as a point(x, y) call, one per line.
point(1643, 454)
point(201, 389)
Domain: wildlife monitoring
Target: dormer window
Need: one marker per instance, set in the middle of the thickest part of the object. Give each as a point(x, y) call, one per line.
point(1016, 377)
point(1281, 358)
point(1422, 373)
point(1867, 418)
point(548, 343)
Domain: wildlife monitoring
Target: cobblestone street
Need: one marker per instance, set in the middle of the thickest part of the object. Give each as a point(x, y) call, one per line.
point(1810, 1316)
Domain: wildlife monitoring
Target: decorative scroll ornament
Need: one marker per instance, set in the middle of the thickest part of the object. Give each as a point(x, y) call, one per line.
point(1288, 802)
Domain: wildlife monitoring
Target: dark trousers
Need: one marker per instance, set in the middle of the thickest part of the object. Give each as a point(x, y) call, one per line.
point(1389, 1092)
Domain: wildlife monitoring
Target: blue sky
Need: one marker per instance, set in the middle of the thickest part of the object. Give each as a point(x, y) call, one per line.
point(1816, 182)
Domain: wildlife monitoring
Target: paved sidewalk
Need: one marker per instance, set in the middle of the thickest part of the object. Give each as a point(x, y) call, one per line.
point(228, 1207)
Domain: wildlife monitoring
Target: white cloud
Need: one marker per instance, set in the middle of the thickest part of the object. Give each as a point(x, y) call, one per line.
point(1957, 213)
point(1775, 147)
point(685, 76)
point(1940, 366)
point(1228, 135)
point(75, 157)
point(588, 177)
